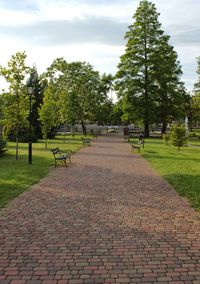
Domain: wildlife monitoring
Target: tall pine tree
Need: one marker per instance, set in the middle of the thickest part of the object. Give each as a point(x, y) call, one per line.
point(170, 95)
point(140, 80)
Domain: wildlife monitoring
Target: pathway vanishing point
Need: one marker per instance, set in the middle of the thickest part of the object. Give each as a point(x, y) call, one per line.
point(107, 218)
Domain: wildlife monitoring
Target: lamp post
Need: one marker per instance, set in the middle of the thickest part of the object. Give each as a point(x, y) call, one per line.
point(30, 89)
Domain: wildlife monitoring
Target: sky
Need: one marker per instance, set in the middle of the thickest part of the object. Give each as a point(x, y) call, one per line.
point(92, 31)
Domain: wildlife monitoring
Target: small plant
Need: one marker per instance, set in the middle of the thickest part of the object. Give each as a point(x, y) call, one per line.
point(166, 138)
point(178, 135)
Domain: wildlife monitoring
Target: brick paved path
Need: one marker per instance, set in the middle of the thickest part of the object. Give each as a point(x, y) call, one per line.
point(108, 218)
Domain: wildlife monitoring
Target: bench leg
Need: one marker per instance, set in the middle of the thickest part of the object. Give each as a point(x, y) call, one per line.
point(65, 163)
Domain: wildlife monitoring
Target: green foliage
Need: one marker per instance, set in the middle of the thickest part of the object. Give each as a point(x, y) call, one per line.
point(104, 109)
point(15, 109)
point(166, 138)
point(148, 77)
point(23, 135)
point(170, 96)
point(134, 80)
point(82, 92)
point(195, 106)
point(49, 113)
point(197, 84)
point(195, 101)
point(117, 113)
point(39, 86)
point(1, 107)
point(178, 135)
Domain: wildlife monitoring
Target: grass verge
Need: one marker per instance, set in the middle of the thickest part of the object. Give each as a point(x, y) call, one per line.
point(180, 168)
point(18, 176)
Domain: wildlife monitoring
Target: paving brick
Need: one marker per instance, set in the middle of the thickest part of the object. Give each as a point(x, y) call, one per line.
point(108, 218)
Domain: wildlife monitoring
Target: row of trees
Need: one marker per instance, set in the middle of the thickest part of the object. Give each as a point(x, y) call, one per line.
point(66, 93)
point(148, 84)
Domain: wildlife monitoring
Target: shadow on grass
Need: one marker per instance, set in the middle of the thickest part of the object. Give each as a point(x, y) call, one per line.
point(189, 154)
point(18, 176)
point(9, 192)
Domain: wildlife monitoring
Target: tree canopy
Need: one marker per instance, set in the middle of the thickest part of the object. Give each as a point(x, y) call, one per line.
point(148, 78)
point(15, 109)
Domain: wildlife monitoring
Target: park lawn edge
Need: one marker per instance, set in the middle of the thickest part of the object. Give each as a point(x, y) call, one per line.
point(16, 177)
point(185, 186)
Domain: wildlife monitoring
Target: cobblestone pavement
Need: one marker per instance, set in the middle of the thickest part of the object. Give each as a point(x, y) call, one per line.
point(108, 218)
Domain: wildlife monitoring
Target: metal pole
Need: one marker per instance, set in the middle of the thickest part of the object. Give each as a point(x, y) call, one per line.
point(30, 135)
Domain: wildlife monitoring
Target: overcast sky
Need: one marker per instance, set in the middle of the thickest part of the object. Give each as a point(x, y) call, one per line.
point(92, 31)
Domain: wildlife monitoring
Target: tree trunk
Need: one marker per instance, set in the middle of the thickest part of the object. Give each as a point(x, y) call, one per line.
point(146, 94)
point(146, 127)
point(17, 143)
point(46, 140)
point(73, 131)
point(83, 128)
point(164, 127)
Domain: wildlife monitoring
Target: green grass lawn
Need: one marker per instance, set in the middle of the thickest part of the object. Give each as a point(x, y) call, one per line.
point(194, 141)
point(18, 176)
point(180, 168)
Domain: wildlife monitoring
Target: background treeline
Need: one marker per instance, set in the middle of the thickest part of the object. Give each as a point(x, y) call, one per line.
point(148, 85)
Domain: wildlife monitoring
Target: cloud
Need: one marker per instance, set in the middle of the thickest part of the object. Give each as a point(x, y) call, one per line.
point(92, 30)
point(19, 5)
point(186, 35)
point(54, 33)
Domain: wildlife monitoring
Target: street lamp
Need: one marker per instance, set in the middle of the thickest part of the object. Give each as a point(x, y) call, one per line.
point(30, 89)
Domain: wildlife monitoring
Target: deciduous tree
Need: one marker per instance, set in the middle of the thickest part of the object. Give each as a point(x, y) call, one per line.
point(16, 106)
point(49, 113)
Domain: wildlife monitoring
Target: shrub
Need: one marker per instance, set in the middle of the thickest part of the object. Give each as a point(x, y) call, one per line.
point(178, 135)
point(166, 138)
point(23, 135)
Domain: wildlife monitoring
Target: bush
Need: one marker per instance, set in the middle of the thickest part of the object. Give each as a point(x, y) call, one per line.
point(23, 135)
point(51, 133)
point(166, 138)
point(178, 135)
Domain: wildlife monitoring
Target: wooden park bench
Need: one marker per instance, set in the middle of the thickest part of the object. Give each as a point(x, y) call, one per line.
point(139, 145)
point(135, 147)
point(61, 155)
point(85, 141)
point(130, 135)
